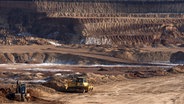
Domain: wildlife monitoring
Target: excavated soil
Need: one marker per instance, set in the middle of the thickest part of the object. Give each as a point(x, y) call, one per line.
point(130, 51)
point(89, 55)
point(127, 82)
point(46, 68)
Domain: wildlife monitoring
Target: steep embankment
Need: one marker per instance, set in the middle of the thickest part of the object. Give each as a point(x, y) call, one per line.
point(18, 27)
point(116, 23)
point(87, 55)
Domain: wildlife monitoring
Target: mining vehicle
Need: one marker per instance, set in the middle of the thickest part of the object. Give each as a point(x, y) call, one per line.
point(79, 84)
point(21, 93)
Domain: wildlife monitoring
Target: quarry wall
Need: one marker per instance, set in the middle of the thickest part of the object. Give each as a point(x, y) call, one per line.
point(97, 8)
point(119, 22)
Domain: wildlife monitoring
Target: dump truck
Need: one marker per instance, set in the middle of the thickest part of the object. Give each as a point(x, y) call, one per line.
point(79, 84)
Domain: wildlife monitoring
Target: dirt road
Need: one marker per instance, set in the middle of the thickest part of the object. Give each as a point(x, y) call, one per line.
point(158, 90)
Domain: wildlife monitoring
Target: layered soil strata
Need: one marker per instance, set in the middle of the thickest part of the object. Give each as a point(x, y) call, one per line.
point(116, 23)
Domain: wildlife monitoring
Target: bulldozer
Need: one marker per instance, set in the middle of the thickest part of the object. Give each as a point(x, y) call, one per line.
point(79, 84)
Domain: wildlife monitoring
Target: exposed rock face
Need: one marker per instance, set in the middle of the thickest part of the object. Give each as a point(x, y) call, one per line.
point(116, 23)
point(58, 58)
point(95, 8)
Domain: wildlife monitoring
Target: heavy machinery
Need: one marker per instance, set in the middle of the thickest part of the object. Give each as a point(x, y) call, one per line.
point(21, 92)
point(79, 84)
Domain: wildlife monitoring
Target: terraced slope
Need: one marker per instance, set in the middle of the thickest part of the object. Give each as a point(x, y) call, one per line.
point(116, 23)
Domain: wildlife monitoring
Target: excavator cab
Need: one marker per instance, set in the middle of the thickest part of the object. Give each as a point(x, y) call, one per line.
point(21, 92)
point(22, 88)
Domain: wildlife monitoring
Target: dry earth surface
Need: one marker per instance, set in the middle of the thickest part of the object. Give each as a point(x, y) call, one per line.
point(159, 90)
point(114, 85)
point(118, 83)
point(131, 51)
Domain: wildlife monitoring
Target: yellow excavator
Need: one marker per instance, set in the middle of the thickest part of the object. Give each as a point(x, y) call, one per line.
point(79, 84)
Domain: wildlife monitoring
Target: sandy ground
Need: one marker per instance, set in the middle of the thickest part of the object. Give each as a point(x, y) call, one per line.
point(158, 90)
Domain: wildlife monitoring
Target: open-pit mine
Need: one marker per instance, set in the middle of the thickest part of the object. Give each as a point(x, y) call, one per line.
point(125, 51)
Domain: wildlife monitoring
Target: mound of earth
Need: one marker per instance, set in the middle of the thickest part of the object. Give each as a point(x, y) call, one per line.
point(177, 69)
